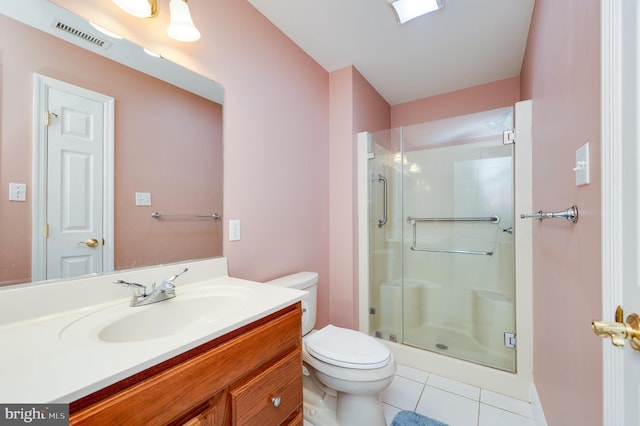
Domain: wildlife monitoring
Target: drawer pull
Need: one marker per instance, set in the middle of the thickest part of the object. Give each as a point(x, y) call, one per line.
point(276, 401)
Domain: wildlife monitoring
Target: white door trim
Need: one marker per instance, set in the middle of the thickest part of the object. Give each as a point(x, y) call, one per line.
point(612, 83)
point(41, 84)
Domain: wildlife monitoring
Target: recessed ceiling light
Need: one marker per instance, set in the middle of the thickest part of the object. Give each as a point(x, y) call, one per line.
point(409, 9)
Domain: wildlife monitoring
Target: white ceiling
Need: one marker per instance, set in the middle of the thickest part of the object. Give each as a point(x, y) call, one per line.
point(468, 42)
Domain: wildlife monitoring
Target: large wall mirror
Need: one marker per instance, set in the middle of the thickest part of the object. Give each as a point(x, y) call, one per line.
point(166, 136)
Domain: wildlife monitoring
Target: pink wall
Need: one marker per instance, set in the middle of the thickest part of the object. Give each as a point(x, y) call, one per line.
point(484, 97)
point(283, 144)
point(147, 113)
point(276, 131)
point(561, 73)
point(355, 106)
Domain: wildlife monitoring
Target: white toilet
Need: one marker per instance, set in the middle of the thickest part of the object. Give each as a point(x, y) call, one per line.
point(344, 370)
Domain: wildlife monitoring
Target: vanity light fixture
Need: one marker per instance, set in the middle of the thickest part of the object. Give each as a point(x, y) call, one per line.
point(139, 8)
point(181, 25)
point(406, 10)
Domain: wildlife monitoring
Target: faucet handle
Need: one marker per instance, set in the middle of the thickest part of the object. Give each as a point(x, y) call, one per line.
point(173, 277)
point(134, 286)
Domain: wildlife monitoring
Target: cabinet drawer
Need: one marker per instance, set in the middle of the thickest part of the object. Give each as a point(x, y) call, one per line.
point(252, 402)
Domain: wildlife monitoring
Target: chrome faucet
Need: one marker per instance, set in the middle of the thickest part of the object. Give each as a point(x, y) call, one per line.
point(166, 290)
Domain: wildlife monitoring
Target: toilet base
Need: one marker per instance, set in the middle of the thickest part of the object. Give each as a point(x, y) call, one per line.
point(324, 409)
point(319, 406)
point(360, 410)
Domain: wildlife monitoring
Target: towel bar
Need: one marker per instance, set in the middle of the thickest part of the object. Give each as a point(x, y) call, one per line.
point(570, 214)
point(414, 221)
point(158, 215)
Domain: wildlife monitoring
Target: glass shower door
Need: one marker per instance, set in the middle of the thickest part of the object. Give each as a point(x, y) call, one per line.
point(385, 235)
point(458, 250)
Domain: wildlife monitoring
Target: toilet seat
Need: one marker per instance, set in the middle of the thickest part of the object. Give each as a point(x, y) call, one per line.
point(347, 348)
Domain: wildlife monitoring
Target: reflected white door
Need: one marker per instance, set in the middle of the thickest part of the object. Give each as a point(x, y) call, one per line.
point(77, 135)
point(74, 185)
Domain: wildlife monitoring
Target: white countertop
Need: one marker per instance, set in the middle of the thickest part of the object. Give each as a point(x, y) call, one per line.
point(39, 366)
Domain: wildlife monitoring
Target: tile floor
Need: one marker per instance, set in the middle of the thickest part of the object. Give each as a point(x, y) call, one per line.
point(451, 402)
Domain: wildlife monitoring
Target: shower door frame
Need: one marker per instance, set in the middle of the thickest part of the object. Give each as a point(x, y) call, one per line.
point(519, 384)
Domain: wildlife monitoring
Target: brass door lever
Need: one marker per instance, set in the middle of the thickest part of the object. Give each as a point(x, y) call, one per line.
point(92, 242)
point(620, 331)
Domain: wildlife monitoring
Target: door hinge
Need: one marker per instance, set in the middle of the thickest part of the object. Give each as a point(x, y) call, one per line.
point(47, 117)
point(46, 230)
point(510, 340)
point(508, 137)
point(371, 155)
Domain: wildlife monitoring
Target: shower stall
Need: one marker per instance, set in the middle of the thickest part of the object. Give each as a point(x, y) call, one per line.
point(440, 255)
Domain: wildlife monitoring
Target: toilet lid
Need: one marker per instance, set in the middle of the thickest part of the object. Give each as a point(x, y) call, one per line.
point(347, 348)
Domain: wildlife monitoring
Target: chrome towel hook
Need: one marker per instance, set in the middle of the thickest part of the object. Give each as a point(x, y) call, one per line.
point(570, 214)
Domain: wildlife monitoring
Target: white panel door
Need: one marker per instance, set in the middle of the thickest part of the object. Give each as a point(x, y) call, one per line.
point(631, 242)
point(74, 185)
point(620, 202)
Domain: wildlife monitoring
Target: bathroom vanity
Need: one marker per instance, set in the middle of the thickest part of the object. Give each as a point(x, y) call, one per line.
point(247, 377)
point(224, 351)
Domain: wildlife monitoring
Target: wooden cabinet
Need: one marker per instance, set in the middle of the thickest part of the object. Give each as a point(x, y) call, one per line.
point(251, 376)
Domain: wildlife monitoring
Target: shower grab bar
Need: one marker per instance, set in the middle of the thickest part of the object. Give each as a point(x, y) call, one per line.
point(383, 221)
point(432, 250)
point(492, 219)
point(414, 221)
point(158, 215)
point(570, 214)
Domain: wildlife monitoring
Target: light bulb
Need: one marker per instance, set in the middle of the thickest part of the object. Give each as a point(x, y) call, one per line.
point(181, 27)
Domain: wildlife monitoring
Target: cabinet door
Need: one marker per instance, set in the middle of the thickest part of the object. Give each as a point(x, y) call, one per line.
point(270, 397)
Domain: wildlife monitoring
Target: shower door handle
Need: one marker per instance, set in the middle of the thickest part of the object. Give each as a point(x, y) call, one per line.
point(383, 221)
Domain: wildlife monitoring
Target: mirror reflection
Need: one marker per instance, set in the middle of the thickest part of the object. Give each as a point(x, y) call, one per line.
point(166, 157)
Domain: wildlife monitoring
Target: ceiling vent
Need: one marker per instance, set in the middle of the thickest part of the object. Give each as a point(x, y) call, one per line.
point(96, 41)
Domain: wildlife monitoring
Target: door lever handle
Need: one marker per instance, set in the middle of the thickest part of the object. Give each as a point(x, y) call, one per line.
point(620, 331)
point(91, 242)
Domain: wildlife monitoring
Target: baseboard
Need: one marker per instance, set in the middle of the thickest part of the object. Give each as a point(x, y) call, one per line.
point(536, 406)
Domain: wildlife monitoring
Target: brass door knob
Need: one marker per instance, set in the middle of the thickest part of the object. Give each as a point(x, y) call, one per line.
point(620, 331)
point(91, 242)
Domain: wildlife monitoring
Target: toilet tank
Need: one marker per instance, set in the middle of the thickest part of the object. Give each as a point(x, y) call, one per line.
point(307, 281)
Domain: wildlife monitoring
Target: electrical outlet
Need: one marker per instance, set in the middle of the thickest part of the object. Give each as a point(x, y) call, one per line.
point(143, 198)
point(234, 230)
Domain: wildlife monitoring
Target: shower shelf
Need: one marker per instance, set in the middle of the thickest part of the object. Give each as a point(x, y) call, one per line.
point(414, 221)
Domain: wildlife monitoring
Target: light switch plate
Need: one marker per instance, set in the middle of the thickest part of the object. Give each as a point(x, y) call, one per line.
point(143, 198)
point(582, 165)
point(234, 230)
point(17, 192)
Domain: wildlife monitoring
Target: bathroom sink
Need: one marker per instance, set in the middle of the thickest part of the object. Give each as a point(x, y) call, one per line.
point(189, 310)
